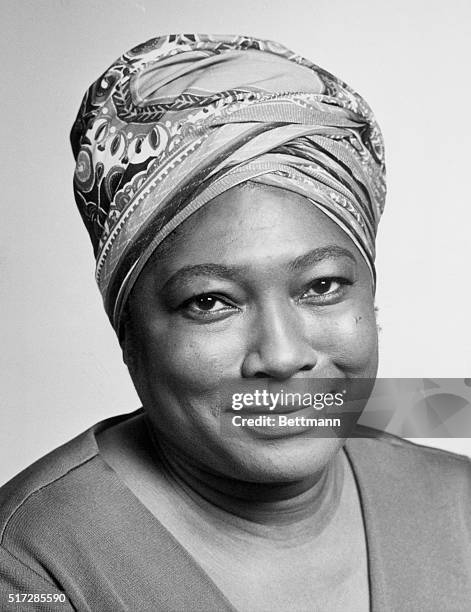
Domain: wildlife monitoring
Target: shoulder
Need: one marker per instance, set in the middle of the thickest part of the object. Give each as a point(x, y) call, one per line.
point(42, 476)
point(395, 445)
point(54, 498)
point(424, 467)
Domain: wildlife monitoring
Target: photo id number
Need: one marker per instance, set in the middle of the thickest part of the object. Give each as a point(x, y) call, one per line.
point(36, 597)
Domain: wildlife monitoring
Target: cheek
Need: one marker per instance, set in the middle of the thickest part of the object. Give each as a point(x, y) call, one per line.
point(187, 357)
point(351, 341)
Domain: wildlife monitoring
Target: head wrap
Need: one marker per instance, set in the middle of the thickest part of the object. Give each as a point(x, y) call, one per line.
point(180, 119)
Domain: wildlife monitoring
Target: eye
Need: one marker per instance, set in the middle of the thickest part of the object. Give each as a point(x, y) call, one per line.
point(325, 288)
point(206, 304)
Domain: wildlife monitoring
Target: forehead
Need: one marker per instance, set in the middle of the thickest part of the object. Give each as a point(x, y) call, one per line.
point(248, 223)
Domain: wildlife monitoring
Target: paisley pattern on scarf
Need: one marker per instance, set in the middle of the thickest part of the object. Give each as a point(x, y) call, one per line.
point(180, 119)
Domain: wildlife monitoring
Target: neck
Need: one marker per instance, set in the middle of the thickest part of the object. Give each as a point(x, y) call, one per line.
point(286, 509)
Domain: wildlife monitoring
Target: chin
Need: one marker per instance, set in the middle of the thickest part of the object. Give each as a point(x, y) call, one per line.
point(283, 459)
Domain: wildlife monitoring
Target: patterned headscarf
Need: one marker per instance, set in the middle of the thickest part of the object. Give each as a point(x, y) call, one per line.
point(180, 119)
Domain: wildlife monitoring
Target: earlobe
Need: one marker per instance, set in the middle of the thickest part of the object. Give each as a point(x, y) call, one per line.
point(378, 326)
point(125, 344)
point(124, 354)
point(124, 337)
point(126, 350)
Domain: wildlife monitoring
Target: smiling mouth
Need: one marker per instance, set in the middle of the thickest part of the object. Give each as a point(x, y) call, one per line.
point(266, 411)
point(275, 407)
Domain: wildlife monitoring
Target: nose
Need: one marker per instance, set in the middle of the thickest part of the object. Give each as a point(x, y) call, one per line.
point(280, 347)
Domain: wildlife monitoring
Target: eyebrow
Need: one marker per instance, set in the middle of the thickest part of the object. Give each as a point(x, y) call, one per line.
point(238, 272)
point(317, 255)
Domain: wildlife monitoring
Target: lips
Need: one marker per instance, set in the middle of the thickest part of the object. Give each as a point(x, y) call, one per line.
point(271, 426)
point(282, 401)
point(265, 410)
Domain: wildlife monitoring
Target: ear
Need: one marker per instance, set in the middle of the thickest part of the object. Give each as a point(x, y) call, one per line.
point(378, 326)
point(125, 339)
point(127, 348)
point(125, 354)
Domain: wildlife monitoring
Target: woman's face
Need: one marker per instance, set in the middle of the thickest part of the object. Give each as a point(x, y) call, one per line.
point(257, 284)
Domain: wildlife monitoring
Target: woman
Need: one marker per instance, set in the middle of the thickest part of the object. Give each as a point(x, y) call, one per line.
point(232, 192)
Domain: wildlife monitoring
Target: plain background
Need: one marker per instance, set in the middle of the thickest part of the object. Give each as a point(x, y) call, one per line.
point(61, 368)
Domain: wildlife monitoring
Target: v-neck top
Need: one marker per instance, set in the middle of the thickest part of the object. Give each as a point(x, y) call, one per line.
point(71, 529)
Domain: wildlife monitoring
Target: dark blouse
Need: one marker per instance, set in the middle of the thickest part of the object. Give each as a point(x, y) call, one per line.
point(69, 525)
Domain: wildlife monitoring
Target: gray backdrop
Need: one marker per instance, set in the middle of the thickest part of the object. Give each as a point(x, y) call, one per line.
point(60, 365)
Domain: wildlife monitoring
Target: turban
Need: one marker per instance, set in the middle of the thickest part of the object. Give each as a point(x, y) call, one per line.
point(180, 119)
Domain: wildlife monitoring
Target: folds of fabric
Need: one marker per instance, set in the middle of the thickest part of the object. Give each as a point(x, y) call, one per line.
point(181, 119)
